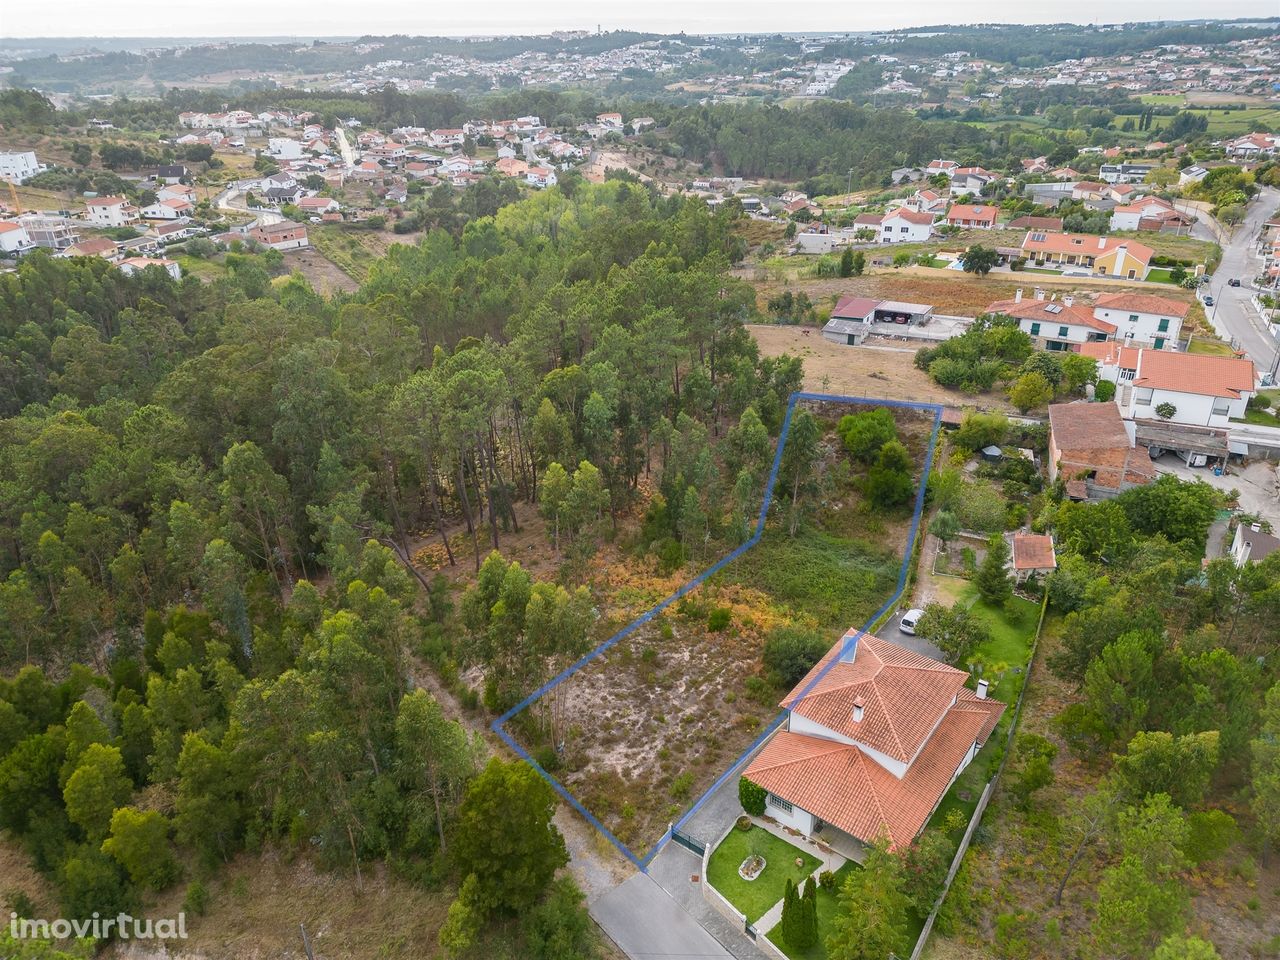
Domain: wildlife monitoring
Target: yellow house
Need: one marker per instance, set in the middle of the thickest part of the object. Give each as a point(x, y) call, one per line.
point(1102, 256)
point(1124, 261)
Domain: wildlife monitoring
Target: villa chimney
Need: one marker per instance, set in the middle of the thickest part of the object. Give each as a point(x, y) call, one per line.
point(1255, 527)
point(857, 710)
point(1102, 243)
point(1068, 300)
point(982, 689)
point(1017, 296)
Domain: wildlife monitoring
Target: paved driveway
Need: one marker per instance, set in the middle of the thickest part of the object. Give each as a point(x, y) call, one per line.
point(892, 631)
point(647, 924)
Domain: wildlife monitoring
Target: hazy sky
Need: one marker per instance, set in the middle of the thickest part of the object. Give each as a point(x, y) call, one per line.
point(309, 18)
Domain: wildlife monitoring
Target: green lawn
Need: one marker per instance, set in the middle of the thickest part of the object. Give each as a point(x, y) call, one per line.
point(1159, 275)
point(1010, 643)
point(1206, 345)
point(1259, 418)
point(755, 897)
point(827, 905)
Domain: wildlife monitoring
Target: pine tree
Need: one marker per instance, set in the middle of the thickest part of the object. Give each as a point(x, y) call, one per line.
point(993, 579)
point(811, 911)
point(788, 924)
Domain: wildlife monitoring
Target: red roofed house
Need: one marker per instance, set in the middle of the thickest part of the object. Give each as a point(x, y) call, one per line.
point(1149, 213)
point(1032, 556)
point(973, 216)
point(318, 205)
point(874, 736)
point(904, 226)
point(1091, 447)
point(173, 208)
point(1055, 324)
point(1204, 390)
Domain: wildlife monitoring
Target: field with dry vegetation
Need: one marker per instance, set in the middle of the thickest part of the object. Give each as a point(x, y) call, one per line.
point(653, 720)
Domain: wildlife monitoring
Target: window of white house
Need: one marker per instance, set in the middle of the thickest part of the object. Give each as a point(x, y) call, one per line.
point(903, 229)
point(1221, 407)
point(778, 802)
point(1062, 331)
point(1133, 318)
point(1128, 374)
point(1142, 397)
point(1164, 325)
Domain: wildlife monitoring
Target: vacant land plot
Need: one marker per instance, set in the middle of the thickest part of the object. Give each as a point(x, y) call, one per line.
point(352, 251)
point(652, 721)
point(866, 371)
point(323, 274)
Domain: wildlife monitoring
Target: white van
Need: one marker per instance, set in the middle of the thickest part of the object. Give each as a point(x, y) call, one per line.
point(909, 620)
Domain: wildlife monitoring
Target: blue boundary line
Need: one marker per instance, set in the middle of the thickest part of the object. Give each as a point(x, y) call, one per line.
point(499, 725)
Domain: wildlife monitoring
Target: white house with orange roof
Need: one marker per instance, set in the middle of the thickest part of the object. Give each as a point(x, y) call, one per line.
point(173, 208)
point(1204, 390)
point(898, 226)
point(14, 239)
point(1143, 318)
point(874, 736)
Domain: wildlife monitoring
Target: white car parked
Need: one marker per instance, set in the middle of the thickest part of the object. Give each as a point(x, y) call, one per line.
point(909, 620)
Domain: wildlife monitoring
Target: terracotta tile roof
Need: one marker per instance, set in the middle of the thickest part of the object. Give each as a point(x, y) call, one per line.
point(840, 784)
point(911, 216)
point(1112, 353)
point(868, 220)
point(1033, 551)
point(904, 694)
point(1085, 244)
point(1143, 303)
point(1039, 311)
point(92, 247)
point(1196, 373)
point(984, 213)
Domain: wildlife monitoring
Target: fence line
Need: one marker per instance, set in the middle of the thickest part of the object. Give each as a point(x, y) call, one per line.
point(987, 791)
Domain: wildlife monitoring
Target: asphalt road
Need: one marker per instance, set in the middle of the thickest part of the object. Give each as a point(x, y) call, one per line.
point(643, 920)
point(1232, 310)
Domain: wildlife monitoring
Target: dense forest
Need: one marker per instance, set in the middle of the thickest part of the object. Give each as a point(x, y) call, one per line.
point(211, 495)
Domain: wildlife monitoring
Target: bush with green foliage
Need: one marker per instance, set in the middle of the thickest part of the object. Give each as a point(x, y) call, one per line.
point(751, 797)
point(790, 651)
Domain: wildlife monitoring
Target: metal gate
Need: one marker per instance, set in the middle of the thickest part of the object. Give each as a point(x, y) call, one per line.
point(688, 842)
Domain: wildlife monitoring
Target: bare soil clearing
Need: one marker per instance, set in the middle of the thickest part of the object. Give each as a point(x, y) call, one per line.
point(867, 371)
